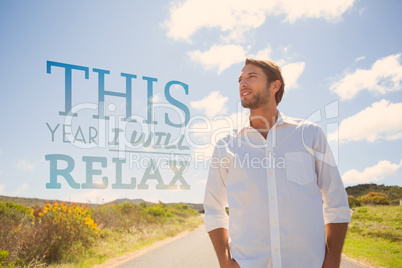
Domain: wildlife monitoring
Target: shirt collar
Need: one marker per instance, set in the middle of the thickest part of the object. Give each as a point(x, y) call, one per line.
point(282, 118)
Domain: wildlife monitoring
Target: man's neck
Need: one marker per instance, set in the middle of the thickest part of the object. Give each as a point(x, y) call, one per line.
point(263, 119)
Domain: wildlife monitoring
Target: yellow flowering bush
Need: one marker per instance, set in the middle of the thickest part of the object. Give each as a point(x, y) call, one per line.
point(70, 227)
point(64, 233)
point(53, 233)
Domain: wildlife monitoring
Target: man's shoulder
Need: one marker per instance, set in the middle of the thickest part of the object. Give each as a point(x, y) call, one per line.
point(310, 133)
point(288, 120)
point(228, 136)
point(305, 127)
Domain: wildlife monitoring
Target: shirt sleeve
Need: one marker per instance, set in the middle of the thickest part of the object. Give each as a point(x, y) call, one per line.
point(215, 199)
point(336, 207)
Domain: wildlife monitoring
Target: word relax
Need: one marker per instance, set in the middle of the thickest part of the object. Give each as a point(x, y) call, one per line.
point(151, 173)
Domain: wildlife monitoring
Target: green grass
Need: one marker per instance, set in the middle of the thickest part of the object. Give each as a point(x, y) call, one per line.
point(375, 236)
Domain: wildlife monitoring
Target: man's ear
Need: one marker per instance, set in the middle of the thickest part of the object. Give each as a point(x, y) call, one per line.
point(276, 85)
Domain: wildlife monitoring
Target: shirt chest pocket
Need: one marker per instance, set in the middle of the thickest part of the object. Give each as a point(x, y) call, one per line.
point(299, 167)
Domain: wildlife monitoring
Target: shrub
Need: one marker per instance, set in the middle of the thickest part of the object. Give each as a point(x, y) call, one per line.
point(59, 232)
point(182, 210)
point(395, 202)
point(69, 230)
point(62, 233)
point(3, 256)
point(126, 207)
point(119, 217)
point(374, 198)
point(129, 217)
point(15, 212)
point(156, 211)
point(353, 202)
point(143, 204)
point(13, 221)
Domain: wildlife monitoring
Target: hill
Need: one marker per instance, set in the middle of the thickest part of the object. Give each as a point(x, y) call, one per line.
point(33, 202)
point(393, 192)
point(37, 202)
point(134, 201)
point(197, 207)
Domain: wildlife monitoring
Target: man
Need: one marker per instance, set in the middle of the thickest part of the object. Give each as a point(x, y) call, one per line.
point(287, 203)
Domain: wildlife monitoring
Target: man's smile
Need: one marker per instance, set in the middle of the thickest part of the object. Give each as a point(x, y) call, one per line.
point(245, 93)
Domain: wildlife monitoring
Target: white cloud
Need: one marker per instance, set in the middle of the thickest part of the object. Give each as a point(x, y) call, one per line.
point(176, 88)
point(380, 121)
point(291, 73)
point(235, 17)
point(329, 10)
point(262, 54)
point(21, 189)
point(156, 98)
point(219, 57)
point(213, 104)
point(360, 58)
point(25, 165)
point(2, 187)
point(375, 173)
point(362, 10)
point(384, 76)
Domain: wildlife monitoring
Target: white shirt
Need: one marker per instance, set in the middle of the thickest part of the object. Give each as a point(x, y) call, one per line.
point(281, 191)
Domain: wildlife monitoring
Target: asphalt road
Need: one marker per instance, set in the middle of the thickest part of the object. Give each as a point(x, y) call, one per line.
point(193, 250)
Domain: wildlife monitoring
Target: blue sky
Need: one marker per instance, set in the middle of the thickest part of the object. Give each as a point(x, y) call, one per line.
point(341, 61)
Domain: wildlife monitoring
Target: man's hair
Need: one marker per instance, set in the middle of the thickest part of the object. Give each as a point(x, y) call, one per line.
point(273, 73)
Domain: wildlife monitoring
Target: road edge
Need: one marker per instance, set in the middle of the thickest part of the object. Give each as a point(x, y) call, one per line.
point(348, 262)
point(115, 262)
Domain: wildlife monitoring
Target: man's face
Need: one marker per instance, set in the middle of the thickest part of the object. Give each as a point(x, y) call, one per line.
point(253, 85)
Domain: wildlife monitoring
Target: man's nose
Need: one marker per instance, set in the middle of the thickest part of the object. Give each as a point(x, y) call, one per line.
point(242, 84)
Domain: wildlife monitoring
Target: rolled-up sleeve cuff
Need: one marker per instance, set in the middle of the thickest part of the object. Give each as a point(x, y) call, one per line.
point(212, 223)
point(337, 215)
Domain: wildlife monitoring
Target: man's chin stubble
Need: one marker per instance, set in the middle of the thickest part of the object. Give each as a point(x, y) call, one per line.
point(249, 105)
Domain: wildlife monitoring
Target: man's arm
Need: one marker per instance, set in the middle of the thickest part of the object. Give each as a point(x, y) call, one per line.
point(336, 233)
point(220, 240)
point(337, 213)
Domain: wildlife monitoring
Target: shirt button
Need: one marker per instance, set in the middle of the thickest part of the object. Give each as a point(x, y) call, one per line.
point(275, 223)
point(273, 198)
point(270, 174)
point(276, 250)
